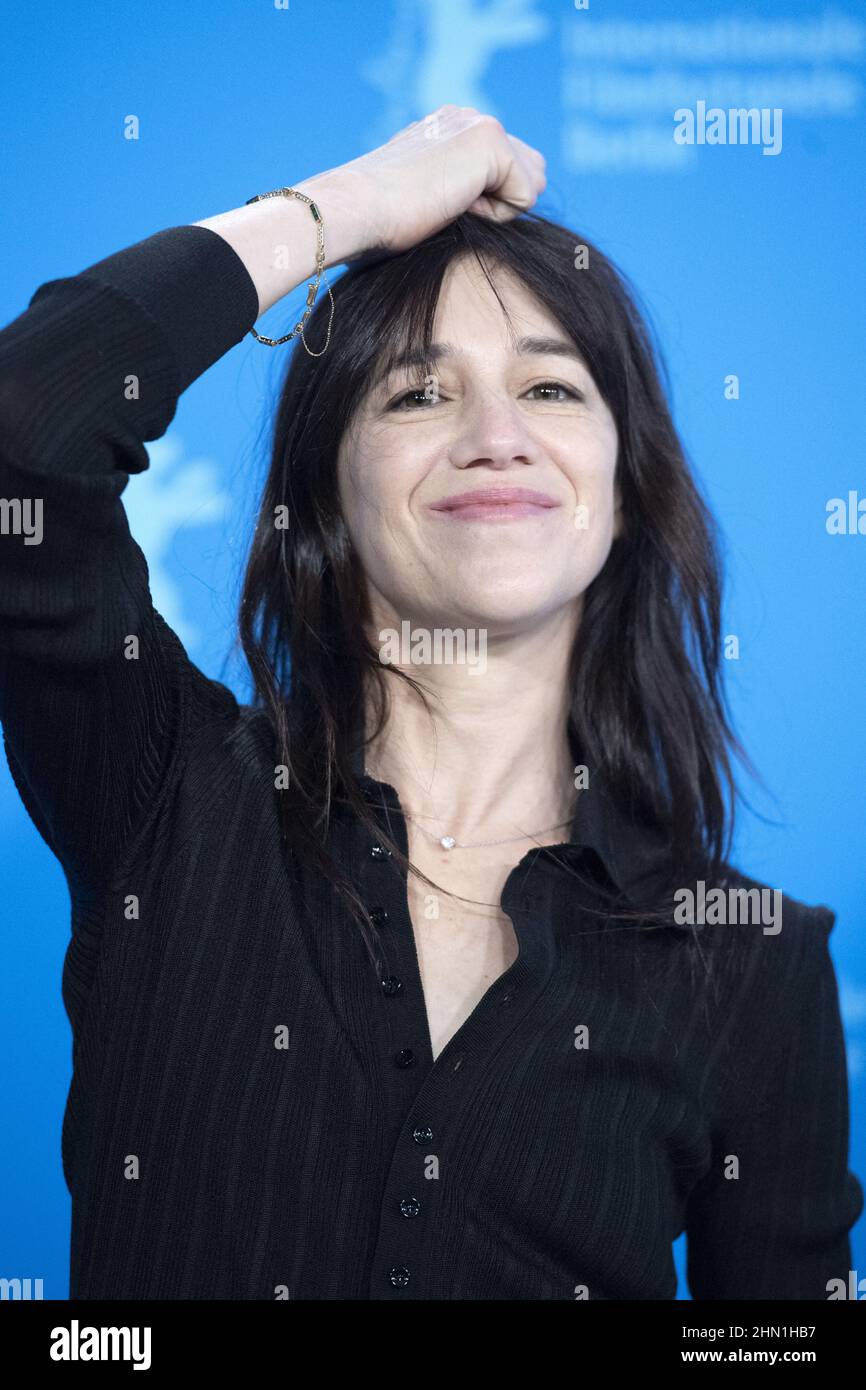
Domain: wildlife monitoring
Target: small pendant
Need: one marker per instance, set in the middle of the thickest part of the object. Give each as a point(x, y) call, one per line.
point(448, 842)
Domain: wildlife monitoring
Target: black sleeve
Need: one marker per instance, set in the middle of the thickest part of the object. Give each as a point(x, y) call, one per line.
point(771, 1219)
point(96, 691)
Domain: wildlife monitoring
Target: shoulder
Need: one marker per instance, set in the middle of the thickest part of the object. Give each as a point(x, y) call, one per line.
point(769, 989)
point(229, 754)
point(762, 912)
point(223, 729)
point(768, 951)
point(233, 748)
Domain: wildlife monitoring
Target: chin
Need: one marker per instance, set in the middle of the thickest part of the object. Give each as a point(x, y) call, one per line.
point(500, 611)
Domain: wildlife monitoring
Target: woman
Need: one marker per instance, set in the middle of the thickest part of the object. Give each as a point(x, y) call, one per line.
point(384, 987)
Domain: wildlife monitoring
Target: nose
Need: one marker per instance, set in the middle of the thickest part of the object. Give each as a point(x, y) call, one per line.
point(492, 433)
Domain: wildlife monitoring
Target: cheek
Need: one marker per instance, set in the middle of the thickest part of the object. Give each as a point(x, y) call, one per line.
point(374, 499)
point(592, 472)
point(593, 479)
point(361, 494)
point(378, 479)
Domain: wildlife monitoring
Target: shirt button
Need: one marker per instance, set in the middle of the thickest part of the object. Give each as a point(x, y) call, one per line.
point(391, 985)
point(399, 1276)
point(404, 1058)
point(380, 852)
point(410, 1206)
point(378, 916)
point(423, 1134)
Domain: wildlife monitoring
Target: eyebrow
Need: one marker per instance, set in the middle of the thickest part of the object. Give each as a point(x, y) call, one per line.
point(525, 347)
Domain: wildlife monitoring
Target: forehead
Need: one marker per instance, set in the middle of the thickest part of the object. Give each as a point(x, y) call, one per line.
point(468, 304)
point(471, 318)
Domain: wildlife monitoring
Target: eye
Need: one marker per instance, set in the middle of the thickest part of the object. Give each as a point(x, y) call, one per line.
point(557, 386)
point(418, 396)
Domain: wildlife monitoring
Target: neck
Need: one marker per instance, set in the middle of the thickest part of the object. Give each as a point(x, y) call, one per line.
point(492, 757)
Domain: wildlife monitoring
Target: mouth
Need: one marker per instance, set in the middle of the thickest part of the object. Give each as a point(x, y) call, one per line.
point(495, 504)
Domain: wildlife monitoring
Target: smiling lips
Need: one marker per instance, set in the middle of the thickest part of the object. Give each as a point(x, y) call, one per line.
point(495, 504)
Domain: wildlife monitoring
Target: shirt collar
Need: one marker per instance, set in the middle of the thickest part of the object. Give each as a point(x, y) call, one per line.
point(634, 854)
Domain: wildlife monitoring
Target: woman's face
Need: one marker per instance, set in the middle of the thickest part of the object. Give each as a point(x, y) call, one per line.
point(489, 501)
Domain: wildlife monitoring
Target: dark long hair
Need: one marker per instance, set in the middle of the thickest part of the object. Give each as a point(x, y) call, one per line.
point(648, 706)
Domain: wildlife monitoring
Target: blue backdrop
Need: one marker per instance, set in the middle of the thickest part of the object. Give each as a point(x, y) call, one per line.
point(750, 262)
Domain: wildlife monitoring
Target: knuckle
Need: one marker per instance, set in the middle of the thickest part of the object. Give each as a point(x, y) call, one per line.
point(493, 124)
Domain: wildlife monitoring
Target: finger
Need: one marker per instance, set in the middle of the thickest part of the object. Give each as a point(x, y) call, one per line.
point(515, 190)
point(497, 210)
point(533, 161)
point(528, 153)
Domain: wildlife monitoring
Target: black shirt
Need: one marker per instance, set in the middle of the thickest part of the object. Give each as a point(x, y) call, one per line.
point(253, 1114)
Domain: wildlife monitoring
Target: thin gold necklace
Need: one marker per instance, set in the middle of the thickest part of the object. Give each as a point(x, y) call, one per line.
point(449, 842)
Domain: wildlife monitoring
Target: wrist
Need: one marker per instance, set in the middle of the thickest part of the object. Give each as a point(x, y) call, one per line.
point(342, 198)
point(277, 240)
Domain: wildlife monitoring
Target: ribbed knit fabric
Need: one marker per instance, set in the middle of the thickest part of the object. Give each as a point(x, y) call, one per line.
point(253, 1113)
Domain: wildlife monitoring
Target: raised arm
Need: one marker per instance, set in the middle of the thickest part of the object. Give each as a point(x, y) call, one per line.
point(95, 689)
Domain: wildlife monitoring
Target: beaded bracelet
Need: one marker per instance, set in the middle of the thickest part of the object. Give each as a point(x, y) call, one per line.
point(313, 287)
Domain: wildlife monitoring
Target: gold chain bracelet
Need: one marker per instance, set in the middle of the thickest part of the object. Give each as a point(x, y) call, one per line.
point(313, 286)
